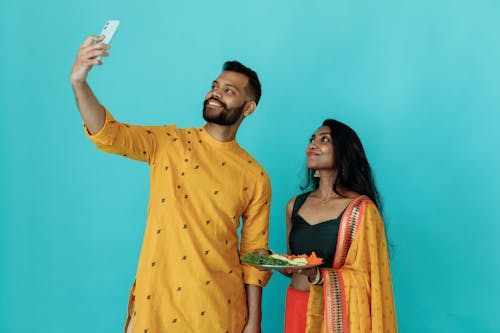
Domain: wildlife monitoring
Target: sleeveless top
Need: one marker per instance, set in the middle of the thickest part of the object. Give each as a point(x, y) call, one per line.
point(320, 238)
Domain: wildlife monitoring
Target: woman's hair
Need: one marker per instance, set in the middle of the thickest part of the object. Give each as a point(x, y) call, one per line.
point(350, 162)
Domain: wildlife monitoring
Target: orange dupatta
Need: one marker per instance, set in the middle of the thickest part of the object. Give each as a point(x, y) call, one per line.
point(356, 295)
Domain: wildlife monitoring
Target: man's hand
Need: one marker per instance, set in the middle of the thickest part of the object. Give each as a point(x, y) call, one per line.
point(86, 58)
point(252, 328)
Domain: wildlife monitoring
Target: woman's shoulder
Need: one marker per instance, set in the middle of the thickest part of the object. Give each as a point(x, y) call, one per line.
point(360, 199)
point(364, 205)
point(297, 198)
point(290, 203)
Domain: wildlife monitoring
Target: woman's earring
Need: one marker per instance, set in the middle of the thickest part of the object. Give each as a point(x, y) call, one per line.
point(316, 174)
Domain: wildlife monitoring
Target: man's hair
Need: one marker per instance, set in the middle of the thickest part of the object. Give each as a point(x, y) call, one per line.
point(254, 88)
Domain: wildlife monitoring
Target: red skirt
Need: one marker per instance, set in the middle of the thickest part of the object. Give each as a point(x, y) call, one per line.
point(296, 310)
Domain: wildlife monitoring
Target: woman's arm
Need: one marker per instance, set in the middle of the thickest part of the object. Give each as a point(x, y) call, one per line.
point(288, 215)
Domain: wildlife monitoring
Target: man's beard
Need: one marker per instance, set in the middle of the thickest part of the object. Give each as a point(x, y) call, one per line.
point(226, 117)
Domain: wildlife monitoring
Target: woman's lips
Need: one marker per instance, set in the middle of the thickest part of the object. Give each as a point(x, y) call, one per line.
point(311, 155)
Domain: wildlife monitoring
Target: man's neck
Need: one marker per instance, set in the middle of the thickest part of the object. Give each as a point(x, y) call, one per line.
point(220, 132)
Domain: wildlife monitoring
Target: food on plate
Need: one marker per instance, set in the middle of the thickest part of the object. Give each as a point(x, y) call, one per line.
point(282, 259)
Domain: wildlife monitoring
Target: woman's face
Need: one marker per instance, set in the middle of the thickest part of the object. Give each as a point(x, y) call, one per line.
point(320, 150)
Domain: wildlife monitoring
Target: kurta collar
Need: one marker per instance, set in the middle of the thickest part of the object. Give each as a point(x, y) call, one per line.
point(230, 145)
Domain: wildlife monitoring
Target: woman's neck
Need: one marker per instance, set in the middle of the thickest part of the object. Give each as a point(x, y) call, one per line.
point(325, 188)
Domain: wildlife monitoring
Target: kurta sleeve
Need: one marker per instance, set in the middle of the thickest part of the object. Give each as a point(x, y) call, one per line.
point(135, 142)
point(358, 295)
point(255, 230)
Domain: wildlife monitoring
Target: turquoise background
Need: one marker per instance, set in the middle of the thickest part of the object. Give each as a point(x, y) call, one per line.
point(418, 80)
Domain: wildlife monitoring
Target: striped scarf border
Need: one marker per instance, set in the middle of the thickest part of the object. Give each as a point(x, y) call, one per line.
point(334, 314)
point(348, 228)
point(333, 286)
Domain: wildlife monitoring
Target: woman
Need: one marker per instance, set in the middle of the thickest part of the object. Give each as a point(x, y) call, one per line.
point(339, 220)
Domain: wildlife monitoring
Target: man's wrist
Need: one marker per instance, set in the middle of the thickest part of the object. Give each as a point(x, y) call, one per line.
point(254, 322)
point(255, 316)
point(78, 83)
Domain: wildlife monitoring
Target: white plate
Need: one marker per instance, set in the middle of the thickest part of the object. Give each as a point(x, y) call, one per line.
point(278, 267)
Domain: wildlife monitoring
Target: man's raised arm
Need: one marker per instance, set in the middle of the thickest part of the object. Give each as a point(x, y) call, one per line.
point(90, 109)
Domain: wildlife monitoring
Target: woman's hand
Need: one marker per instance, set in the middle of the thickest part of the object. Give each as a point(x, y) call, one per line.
point(288, 272)
point(311, 273)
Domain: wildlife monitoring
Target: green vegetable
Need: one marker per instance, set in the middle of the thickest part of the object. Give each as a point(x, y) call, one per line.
point(263, 259)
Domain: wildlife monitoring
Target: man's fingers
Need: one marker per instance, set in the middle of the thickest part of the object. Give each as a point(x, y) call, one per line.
point(87, 57)
point(91, 40)
point(92, 47)
point(94, 51)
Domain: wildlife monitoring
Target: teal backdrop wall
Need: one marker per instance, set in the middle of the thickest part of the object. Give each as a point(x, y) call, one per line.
point(417, 79)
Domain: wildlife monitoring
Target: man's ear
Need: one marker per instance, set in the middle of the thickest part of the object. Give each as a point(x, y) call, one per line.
point(249, 108)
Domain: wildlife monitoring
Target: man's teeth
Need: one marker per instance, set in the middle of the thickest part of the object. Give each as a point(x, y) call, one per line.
point(214, 103)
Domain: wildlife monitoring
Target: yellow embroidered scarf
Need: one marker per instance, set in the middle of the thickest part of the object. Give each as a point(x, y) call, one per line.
point(356, 296)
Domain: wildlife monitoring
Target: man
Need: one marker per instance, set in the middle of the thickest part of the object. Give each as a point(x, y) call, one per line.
point(189, 277)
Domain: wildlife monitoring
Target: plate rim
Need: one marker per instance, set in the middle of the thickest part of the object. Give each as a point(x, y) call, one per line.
point(285, 266)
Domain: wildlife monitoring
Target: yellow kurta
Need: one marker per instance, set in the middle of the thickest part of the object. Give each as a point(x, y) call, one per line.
point(356, 296)
point(189, 276)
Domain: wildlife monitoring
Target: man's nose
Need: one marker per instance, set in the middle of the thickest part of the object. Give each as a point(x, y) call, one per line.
point(216, 93)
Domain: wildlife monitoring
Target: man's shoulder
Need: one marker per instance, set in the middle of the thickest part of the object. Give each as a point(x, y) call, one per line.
point(174, 132)
point(253, 166)
point(173, 128)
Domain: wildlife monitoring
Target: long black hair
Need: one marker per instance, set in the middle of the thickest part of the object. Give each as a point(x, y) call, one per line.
point(353, 170)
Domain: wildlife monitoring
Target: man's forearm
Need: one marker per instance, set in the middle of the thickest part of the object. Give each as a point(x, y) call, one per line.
point(254, 302)
point(88, 56)
point(90, 109)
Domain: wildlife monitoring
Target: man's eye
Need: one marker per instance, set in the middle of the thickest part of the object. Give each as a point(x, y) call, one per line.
point(229, 91)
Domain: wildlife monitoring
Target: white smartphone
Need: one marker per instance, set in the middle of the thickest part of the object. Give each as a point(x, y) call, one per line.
point(109, 31)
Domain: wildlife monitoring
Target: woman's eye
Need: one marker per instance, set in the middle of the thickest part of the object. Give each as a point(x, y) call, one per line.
point(325, 139)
